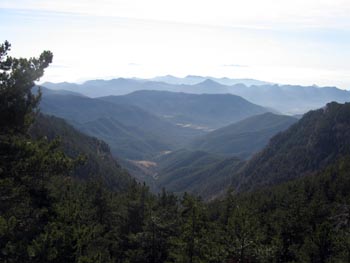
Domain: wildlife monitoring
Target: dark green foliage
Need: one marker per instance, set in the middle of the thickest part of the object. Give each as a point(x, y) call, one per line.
point(17, 76)
point(300, 220)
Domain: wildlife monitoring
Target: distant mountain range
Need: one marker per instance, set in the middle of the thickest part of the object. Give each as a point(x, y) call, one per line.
point(287, 99)
point(192, 80)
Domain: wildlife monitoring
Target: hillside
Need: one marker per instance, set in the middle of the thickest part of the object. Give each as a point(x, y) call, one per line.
point(207, 110)
point(314, 142)
point(245, 137)
point(196, 172)
point(130, 131)
point(99, 161)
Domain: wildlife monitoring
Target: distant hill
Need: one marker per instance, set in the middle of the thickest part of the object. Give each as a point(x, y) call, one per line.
point(243, 138)
point(130, 131)
point(291, 99)
point(317, 140)
point(207, 110)
point(99, 161)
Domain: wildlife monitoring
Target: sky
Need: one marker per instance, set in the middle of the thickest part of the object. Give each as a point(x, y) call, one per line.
point(302, 42)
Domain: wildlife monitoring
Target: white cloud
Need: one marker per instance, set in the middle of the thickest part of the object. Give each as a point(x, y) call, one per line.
point(310, 13)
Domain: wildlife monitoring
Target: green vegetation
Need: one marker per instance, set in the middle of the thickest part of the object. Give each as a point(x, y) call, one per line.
point(50, 212)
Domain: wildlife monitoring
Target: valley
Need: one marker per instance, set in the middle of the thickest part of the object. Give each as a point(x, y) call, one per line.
point(198, 143)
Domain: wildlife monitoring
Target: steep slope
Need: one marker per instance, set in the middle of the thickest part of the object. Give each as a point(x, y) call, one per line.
point(121, 126)
point(208, 110)
point(316, 141)
point(243, 138)
point(99, 161)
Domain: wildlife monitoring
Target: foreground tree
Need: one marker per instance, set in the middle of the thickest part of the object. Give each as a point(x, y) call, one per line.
point(25, 165)
point(17, 77)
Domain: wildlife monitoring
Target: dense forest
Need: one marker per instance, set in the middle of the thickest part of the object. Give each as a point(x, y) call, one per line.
point(64, 199)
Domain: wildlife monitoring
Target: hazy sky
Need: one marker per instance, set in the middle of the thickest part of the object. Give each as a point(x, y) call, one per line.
point(285, 41)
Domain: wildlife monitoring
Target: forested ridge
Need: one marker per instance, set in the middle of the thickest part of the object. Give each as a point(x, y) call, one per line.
point(314, 142)
point(51, 212)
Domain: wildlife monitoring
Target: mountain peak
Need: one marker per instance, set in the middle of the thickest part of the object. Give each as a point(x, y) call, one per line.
point(208, 82)
point(193, 76)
